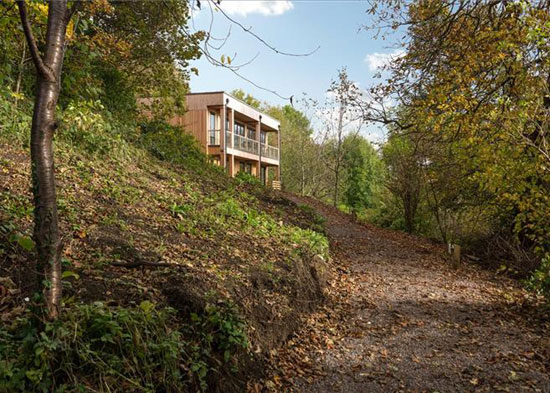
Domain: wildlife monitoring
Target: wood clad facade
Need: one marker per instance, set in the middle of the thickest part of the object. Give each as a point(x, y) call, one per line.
point(194, 123)
point(234, 134)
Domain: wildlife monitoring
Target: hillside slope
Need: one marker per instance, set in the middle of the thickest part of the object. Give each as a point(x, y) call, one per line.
point(236, 261)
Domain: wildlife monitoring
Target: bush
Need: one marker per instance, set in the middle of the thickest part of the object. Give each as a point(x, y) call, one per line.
point(117, 349)
point(171, 144)
point(247, 178)
point(88, 127)
point(15, 121)
point(540, 278)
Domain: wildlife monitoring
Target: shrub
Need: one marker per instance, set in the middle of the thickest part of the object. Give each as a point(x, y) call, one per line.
point(93, 347)
point(540, 278)
point(88, 127)
point(171, 144)
point(117, 349)
point(15, 121)
point(247, 178)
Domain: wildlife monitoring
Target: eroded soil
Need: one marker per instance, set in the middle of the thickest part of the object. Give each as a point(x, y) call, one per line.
point(401, 319)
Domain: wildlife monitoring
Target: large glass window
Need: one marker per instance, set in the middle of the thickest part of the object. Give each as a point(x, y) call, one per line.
point(245, 167)
point(212, 120)
point(239, 129)
point(212, 130)
point(251, 133)
point(262, 136)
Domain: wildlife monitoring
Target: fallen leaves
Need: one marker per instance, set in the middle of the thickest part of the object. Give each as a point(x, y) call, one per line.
point(400, 320)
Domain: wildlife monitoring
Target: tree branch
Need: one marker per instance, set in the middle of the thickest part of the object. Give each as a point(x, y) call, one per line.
point(248, 30)
point(132, 265)
point(72, 10)
point(33, 48)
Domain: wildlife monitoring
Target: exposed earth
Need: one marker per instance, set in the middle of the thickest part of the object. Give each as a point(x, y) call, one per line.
point(400, 318)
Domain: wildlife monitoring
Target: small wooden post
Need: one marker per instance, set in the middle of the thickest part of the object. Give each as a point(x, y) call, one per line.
point(454, 251)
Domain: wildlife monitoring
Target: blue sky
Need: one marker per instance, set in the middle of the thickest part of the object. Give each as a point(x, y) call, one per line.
point(293, 26)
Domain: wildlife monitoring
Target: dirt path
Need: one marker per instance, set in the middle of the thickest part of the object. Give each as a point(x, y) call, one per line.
point(400, 319)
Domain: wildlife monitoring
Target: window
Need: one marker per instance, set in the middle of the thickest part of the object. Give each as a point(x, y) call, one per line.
point(212, 134)
point(262, 136)
point(215, 160)
point(245, 167)
point(212, 120)
point(239, 129)
point(252, 133)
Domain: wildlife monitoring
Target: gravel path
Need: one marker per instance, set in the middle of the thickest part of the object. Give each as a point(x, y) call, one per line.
point(400, 319)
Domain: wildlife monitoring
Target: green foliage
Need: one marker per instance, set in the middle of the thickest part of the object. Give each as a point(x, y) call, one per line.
point(246, 98)
point(404, 176)
point(301, 161)
point(15, 117)
point(220, 329)
point(116, 349)
point(171, 144)
point(247, 178)
point(230, 211)
point(93, 347)
point(540, 278)
point(363, 174)
point(475, 110)
point(88, 127)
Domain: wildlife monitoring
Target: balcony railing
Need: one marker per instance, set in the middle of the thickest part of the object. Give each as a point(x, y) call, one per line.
point(245, 144)
point(251, 146)
point(270, 152)
point(213, 137)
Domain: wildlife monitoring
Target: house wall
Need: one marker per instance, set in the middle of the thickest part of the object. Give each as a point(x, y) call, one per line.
point(238, 166)
point(194, 122)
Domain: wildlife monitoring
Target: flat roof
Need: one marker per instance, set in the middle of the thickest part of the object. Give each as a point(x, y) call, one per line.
point(235, 98)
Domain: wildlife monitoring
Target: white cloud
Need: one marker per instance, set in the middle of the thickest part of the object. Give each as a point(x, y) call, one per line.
point(246, 7)
point(377, 61)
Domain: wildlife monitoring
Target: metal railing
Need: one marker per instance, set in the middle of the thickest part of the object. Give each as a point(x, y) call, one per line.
point(245, 144)
point(213, 137)
point(270, 152)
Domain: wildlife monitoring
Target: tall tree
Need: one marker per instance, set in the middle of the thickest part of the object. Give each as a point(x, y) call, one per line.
point(300, 164)
point(404, 176)
point(474, 81)
point(247, 98)
point(362, 173)
point(160, 51)
point(342, 117)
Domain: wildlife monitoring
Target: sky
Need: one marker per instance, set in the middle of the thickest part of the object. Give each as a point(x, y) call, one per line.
point(335, 27)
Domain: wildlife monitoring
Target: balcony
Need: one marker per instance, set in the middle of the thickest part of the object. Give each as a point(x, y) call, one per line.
point(270, 151)
point(245, 144)
point(251, 146)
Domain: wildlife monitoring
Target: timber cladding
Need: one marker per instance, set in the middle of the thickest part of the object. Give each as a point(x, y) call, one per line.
point(194, 122)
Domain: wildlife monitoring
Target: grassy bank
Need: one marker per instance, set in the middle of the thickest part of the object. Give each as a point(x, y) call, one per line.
point(176, 277)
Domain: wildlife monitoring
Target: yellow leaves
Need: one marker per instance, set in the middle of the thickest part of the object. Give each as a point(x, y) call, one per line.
point(39, 8)
point(69, 34)
point(99, 6)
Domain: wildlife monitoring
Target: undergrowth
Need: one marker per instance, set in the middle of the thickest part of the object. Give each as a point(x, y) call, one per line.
point(116, 349)
point(150, 187)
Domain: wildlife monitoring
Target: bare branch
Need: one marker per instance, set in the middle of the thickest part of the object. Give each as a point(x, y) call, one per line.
point(248, 30)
